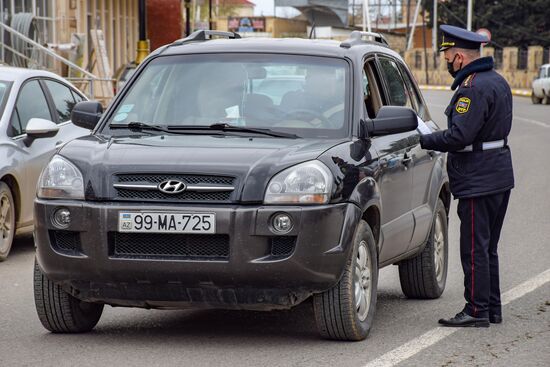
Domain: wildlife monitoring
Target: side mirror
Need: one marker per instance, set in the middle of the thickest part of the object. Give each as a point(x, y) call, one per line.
point(39, 128)
point(390, 120)
point(86, 114)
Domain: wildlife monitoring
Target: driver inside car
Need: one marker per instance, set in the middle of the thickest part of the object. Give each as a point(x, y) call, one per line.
point(318, 103)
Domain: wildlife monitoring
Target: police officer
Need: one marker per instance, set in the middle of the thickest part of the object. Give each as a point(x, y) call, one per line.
point(479, 165)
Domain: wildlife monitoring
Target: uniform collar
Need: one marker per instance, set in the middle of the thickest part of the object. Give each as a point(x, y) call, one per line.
point(481, 64)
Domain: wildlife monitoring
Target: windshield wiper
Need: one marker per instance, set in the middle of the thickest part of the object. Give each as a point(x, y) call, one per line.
point(137, 126)
point(222, 126)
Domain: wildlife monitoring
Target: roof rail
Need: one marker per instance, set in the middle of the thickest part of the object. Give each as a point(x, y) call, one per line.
point(356, 38)
point(204, 35)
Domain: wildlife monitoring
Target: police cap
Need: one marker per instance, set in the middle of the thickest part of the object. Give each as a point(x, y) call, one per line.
point(460, 37)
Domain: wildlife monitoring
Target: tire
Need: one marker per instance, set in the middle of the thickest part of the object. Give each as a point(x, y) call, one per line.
point(7, 220)
point(424, 276)
point(58, 311)
point(336, 312)
point(546, 99)
point(534, 98)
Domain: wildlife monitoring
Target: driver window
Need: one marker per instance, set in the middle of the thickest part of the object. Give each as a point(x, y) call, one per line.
point(398, 92)
point(31, 102)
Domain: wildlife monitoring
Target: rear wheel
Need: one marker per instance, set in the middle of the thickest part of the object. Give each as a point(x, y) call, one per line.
point(58, 311)
point(346, 311)
point(546, 99)
point(7, 220)
point(534, 98)
point(425, 275)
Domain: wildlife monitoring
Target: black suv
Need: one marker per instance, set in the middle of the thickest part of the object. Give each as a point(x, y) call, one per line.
point(246, 174)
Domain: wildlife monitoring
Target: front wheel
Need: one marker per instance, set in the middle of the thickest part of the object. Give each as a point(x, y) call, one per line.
point(7, 220)
point(425, 275)
point(59, 311)
point(346, 311)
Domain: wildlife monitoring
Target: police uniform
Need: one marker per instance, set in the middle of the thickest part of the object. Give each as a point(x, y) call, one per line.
point(479, 165)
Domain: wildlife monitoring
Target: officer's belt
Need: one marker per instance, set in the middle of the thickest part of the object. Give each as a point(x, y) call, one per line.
point(488, 145)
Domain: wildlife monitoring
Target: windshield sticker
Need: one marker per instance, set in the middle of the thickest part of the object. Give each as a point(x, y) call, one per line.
point(232, 112)
point(120, 117)
point(125, 108)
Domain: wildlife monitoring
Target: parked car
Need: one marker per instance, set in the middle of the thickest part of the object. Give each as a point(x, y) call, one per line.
point(201, 189)
point(35, 108)
point(541, 86)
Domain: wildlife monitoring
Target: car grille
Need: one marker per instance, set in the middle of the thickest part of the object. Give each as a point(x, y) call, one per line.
point(168, 245)
point(282, 245)
point(185, 196)
point(65, 241)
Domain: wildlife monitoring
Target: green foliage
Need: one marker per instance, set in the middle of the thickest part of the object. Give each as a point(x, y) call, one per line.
point(518, 23)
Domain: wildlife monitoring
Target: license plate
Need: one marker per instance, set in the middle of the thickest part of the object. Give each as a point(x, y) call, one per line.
point(166, 222)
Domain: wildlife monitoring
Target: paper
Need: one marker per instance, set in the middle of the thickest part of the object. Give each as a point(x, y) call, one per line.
point(423, 128)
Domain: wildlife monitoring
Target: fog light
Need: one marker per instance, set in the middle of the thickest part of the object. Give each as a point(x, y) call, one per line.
point(61, 218)
point(281, 223)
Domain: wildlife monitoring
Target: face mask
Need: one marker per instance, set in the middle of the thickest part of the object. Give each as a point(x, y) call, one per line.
point(450, 68)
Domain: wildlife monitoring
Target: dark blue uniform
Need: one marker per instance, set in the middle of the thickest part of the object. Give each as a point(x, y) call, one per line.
point(481, 177)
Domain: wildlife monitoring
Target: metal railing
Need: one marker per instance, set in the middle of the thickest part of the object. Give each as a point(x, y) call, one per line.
point(86, 82)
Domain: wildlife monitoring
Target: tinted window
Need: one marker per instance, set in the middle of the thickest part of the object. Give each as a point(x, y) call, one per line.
point(62, 98)
point(31, 103)
point(77, 97)
point(413, 92)
point(4, 92)
point(399, 94)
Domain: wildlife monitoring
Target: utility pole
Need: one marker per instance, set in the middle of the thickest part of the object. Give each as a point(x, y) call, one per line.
point(416, 11)
point(470, 9)
point(366, 16)
point(434, 32)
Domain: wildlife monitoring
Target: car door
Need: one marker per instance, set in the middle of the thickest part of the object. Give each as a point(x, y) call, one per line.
point(395, 162)
point(423, 164)
point(33, 153)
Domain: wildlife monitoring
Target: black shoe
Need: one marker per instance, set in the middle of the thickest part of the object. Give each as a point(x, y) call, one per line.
point(495, 319)
point(462, 319)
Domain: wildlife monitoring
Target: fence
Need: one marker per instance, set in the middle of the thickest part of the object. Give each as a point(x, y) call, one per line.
point(39, 57)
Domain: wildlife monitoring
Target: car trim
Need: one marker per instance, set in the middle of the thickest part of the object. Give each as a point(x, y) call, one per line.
point(198, 188)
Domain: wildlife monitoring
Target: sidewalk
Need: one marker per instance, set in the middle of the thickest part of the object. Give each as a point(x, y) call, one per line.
point(515, 92)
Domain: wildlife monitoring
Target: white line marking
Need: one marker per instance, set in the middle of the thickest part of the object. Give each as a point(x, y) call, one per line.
point(435, 335)
point(542, 124)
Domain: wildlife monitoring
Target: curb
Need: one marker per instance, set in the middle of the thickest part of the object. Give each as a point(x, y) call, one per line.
point(515, 92)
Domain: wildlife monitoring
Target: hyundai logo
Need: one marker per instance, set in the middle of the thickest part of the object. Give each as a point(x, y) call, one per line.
point(172, 186)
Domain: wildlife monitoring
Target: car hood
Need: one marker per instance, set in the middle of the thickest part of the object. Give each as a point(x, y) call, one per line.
point(251, 161)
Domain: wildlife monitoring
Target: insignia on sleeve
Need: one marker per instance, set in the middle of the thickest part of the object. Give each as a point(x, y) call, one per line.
point(463, 105)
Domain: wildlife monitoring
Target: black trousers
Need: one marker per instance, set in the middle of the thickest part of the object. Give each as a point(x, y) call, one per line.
point(481, 220)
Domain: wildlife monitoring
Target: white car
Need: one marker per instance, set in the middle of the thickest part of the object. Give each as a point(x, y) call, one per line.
point(35, 109)
point(541, 86)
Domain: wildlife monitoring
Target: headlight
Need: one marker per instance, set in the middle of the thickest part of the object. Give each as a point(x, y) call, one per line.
point(306, 183)
point(60, 180)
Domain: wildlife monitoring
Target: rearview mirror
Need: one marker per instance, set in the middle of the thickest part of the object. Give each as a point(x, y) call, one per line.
point(86, 114)
point(390, 120)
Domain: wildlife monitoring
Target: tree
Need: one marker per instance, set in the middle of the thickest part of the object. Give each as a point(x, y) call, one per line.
point(516, 23)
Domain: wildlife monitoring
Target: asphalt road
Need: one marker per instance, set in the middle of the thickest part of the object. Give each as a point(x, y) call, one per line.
point(405, 330)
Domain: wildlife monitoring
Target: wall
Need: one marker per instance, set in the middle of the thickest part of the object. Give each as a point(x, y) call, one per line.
point(438, 75)
point(164, 22)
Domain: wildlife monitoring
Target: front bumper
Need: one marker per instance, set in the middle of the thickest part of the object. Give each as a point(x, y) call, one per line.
point(249, 277)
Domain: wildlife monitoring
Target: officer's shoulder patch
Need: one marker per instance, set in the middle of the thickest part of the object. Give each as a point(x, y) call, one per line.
point(463, 105)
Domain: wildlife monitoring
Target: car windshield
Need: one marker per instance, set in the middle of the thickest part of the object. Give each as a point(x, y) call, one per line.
point(4, 90)
point(302, 95)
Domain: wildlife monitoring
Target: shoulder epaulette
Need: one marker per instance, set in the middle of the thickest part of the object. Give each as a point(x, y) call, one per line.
point(469, 81)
